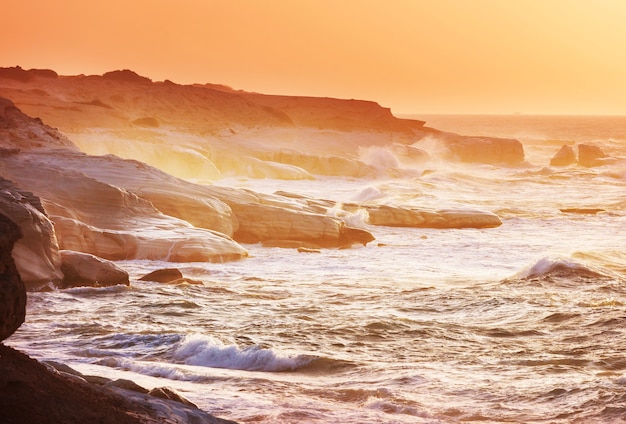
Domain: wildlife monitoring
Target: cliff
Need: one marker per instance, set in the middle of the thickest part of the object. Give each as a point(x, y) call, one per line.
point(206, 131)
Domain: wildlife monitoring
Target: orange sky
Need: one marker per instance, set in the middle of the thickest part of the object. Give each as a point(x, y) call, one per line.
point(421, 56)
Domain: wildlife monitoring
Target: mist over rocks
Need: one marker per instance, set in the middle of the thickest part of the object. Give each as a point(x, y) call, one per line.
point(232, 132)
point(564, 157)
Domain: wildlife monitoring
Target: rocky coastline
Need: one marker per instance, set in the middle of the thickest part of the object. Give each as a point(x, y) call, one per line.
point(121, 187)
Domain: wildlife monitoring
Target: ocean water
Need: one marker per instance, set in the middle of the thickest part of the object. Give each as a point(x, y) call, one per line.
point(524, 323)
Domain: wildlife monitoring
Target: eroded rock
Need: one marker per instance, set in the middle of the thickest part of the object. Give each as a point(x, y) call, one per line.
point(83, 269)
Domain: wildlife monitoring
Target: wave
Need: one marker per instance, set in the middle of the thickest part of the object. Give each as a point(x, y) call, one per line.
point(209, 352)
point(561, 267)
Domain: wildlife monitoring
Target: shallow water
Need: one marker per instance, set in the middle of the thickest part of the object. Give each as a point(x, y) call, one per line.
point(521, 323)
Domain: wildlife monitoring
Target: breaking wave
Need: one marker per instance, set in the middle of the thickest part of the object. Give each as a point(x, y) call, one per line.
point(209, 352)
point(561, 267)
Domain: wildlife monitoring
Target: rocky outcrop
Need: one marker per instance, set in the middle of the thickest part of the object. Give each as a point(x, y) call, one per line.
point(12, 290)
point(564, 157)
point(21, 132)
point(488, 150)
point(83, 269)
point(588, 154)
point(166, 275)
point(391, 216)
point(36, 254)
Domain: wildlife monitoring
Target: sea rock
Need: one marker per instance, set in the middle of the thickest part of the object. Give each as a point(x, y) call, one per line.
point(36, 254)
point(166, 275)
point(488, 150)
point(259, 222)
point(83, 269)
point(588, 153)
point(393, 216)
point(564, 157)
point(12, 289)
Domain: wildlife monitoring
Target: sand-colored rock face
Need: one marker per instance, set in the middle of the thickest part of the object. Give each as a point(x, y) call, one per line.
point(36, 253)
point(104, 220)
point(12, 290)
point(82, 269)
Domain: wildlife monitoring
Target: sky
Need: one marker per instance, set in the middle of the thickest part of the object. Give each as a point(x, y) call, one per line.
point(413, 56)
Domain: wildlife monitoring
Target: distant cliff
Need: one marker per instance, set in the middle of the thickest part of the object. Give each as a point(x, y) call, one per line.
point(209, 131)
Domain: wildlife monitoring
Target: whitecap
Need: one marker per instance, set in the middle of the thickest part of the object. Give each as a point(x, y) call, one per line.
point(556, 264)
point(207, 351)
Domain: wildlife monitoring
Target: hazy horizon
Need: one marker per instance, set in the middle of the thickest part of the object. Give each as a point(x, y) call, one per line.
point(416, 57)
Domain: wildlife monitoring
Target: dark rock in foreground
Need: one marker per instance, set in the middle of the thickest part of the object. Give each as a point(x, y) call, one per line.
point(31, 393)
point(12, 290)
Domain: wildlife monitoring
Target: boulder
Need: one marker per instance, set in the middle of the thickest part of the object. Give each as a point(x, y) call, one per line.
point(83, 269)
point(12, 289)
point(588, 153)
point(36, 254)
point(564, 157)
point(166, 275)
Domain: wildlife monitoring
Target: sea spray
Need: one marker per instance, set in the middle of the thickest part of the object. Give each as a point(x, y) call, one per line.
point(207, 351)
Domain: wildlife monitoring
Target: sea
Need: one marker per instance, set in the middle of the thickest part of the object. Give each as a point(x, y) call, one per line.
point(524, 323)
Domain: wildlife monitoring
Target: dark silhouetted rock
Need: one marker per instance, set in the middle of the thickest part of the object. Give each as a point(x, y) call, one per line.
point(16, 73)
point(43, 73)
point(126, 75)
point(146, 122)
point(588, 153)
point(166, 393)
point(564, 157)
point(12, 290)
point(166, 275)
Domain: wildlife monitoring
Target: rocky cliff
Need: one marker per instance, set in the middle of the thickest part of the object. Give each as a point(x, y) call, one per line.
point(206, 132)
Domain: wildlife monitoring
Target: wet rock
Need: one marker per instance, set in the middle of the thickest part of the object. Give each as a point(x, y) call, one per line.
point(564, 157)
point(166, 275)
point(392, 216)
point(588, 153)
point(167, 393)
point(83, 269)
point(12, 289)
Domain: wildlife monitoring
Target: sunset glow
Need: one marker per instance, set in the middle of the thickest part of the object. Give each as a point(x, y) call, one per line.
point(445, 56)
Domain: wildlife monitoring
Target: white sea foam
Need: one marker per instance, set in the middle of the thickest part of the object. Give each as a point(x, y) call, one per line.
point(379, 157)
point(207, 351)
point(367, 194)
point(356, 219)
point(551, 264)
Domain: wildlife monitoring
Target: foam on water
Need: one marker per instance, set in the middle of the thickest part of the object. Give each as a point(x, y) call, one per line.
point(551, 264)
point(206, 351)
point(424, 325)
